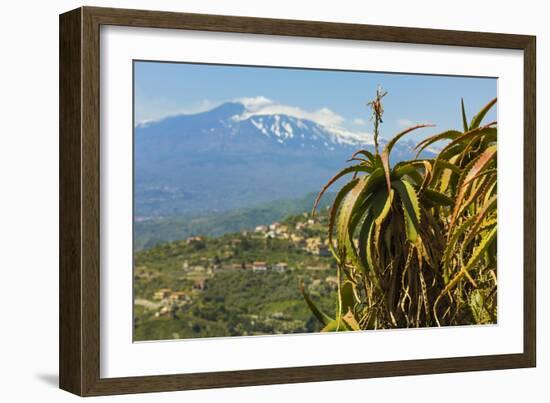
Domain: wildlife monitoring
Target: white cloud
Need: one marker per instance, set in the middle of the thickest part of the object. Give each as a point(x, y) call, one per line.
point(254, 103)
point(254, 106)
point(264, 106)
point(359, 122)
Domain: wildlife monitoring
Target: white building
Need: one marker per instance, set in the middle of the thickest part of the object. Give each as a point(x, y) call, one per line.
point(280, 267)
point(259, 266)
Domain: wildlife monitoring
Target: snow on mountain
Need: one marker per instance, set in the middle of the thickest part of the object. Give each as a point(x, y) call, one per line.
point(283, 122)
point(285, 119)
point(264, 106)
point(305, 133)
point(240, 153)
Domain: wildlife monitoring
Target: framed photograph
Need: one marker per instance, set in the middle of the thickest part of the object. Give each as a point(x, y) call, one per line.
point(249, 201)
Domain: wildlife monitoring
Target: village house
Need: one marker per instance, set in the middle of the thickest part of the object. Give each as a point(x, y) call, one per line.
point(259, 266)
point(297, 239)
point(161, 294)
point(274, 226)
point(332, 281)
point(300, 226)
point(280, 267)
point(192, 239)
point(316, 247)
point(198, 269)
point(200, 284)
point(165, 311)
point(271, 234)
point(261, 228)
point(178, 296)
point(313, 244)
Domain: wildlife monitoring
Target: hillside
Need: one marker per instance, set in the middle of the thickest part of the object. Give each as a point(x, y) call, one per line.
point(243, 283)
point(151, 232)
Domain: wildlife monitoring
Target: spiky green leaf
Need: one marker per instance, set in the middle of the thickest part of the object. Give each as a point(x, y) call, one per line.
point(478, 118)
point(411, 207)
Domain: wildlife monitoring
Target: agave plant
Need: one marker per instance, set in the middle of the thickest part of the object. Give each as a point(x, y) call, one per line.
point(472, 223)
point(415, 243)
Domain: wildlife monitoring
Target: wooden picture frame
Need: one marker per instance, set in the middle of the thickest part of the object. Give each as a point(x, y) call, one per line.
point(79, 200)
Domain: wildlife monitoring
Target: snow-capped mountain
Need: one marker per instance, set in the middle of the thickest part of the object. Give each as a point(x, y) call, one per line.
point(304, 133)
point(237, 121)
point(237, 154)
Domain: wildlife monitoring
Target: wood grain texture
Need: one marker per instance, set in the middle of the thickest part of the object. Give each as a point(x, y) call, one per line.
point(80, 200)
point(90, 202)
point(70, 275)
point(530, 202)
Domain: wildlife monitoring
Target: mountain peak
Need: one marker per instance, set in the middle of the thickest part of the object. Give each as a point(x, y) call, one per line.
point(242, 151)
point(226, 110)
point(264, 106)
point(284, 124)
point(260, 108)
point(254, 103)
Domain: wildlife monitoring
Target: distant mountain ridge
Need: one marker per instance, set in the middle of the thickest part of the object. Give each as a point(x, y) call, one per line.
point(235, 156)
point(152, 232)
point(230, 124)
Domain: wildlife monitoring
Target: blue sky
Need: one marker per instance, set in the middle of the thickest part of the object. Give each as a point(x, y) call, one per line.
point(337, 97)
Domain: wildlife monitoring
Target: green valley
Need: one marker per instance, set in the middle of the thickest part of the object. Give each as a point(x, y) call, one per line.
point(152, 231)
point(236, 284)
